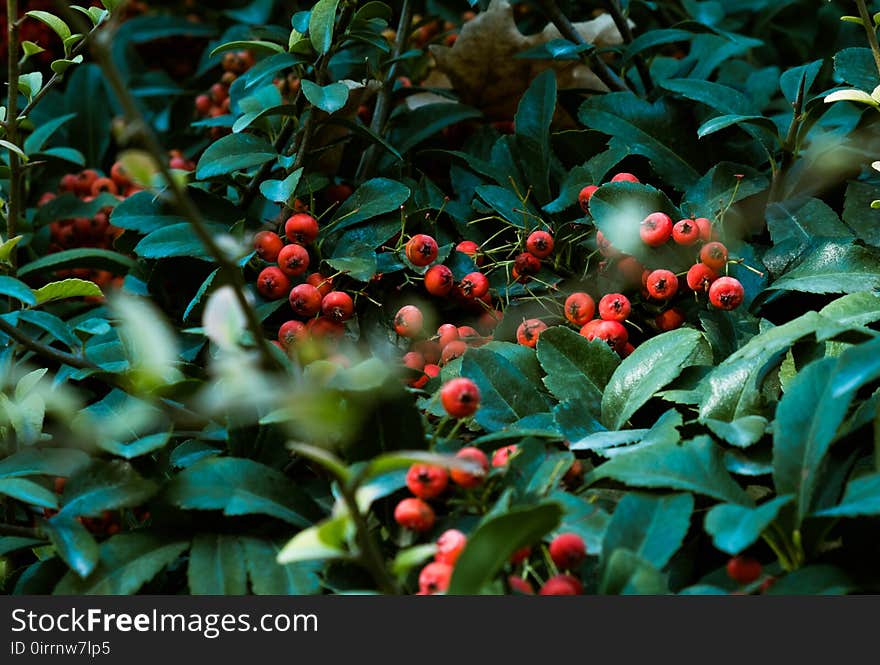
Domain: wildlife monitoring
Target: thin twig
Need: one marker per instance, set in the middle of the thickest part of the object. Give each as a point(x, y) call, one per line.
point(383, 100)
point(790, 144)
point(21, 532)
point(870, 30)
point(626, 32)
point(13, 205)
point(371, 557)
point(611, 80)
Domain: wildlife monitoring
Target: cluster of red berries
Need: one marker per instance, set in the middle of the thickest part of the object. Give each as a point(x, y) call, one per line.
point(216, 101)
point(745, 571)
point(435, 577)
point(321, 311)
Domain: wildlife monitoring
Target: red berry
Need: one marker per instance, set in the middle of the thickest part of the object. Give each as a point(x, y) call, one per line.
point(439, 280)
point(714, 255)
point(467, 479)
point(579, 308)
point(624, 177)
point(120, 177)
point(305, 300)
point(203, 104)
point(685, 232)
point(520, 555)
point(101, 185)
point(743, 570)
point(726, 293)
point(408, 321)
point(421, 250)
point(272, 283)
point(293, 260)
point(704, 227)
point(432, 370)
point(474, 285)
point(529, 331)
point(562, 585)
point(427, 481)
point(520, 586)
point(290, 333)
point(614, 307)
point(460, 397)
point(540, 244)
point(613, 333)
point(700, 277)
point(630, 271)
point(325, 327)
point(434, 578)
point(585, 195)
point(669, 320)
point(429, 349)
point(656, 229)
point(568, 550)
point(604, 245)
point(470, 248)
point(450, 545)
point(268, 245)
point(525, 265)
point(301, 228)
point(414, 514)
point(337, 306)
point(414, 360)
point(468, 335)
point(502, 455)
point(662, 284)
point(323, 284)
point(447, 333)
point(452, 351)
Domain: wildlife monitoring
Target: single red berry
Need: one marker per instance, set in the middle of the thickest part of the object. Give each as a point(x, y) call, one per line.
point(414, 514)
point(469, 335)
point(656, 229)
point(102, 185)
point(427, 481)
point(337, 306)
point(447, 333)
point(662, 284)
point(293, 260)
point(585, 195)
point(305, 300)
point(429, 349)
point(529, 331)
point(468, 479)
point(432, 371)
point(539, 244)
point(726, 293)
point(453, 350)
point(588, 330)
point(630, 271)
point(520, 586)
point(434, 578)
point(408, 321)
point(323, 326)
point(272, 283)
point(60, 482)
point(525, 265)
point(605, 247)
point(290, 333)
point(268, 245)
point(579, 308)
point(627, 350)
point(743, 570)
point(474, 285)
point(562, 585)
point(450, 545)
point(460, 397)
point(670, 319)
point(301, 228)
point(574, 476)
point(613, 333)
point(614, 307)
point(568, 551)
point(714, 255)
point(439, 280)
point(323, 284)
point(203, 104)
point(520, 555)
point(502, 455)
point(700, 277)
point(624, 177)
point(469, 248)
point(685, 232)
point(415, 361)
point(421, 250)
point(704, 227)
point(120, 177)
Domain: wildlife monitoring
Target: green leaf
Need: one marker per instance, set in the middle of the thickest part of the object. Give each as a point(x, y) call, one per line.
point(628, 574)
point(321, 23)
point(862, 497)
point(86, 95)
point(101, 259)
point(241, 487)
point(856, 66)
point(234, 152)
point(324, 541)
point(28, 492)
point(11, 147)
point(143, 213)
point(653, 365)
point(7, 247)
point(252, 45)
point(142, 446)
point(125, 563)
point(281, 191)
point(30, 84)
point(104, 486)
point(58, 26)
point(860, 214)
point(37, 139)
point(803, 222)
point(532, 122)
point(652, 527)
point(74, 544)
point(375, 197)
point(63, 64)
point(43, 462)
point(329, 98)
point(492, 543)
point(411, 128)
point(269, 578)
point(720, 122)
point(68, 288)
point(175, 240)
point(724, 184)
point(734, 527)
point(9, 286)
point(216, 566)
point(742, 432)
point(576, 368)
point(815, 580)
point(693, 466)
point(52, 325)
point(507, 204)
point(506, 393)
point(833, 267)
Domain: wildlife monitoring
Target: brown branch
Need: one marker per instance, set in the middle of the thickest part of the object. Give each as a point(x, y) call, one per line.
point(870, 30)
point(626, 32)
point(13, 206)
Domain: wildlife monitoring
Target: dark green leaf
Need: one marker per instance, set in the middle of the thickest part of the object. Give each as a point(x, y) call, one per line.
point(216, 566)
point(651, 526)
point(234, 152)
point(734, 527)
point(575, 368)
